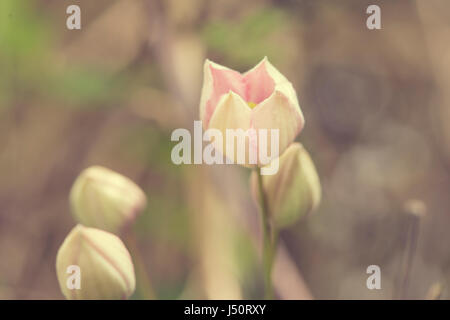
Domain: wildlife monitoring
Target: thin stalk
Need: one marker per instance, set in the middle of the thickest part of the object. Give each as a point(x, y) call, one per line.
point(269, 240)
point(408, 257)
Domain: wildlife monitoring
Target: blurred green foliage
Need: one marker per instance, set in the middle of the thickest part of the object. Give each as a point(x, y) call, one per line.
point(24, 44)
point(246, 41)
point(30, 67)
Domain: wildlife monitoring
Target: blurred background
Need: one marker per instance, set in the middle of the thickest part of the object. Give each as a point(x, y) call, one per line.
point(377, 110)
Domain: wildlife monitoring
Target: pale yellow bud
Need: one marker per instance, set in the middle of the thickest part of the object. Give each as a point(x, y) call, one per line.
point(104, 199)
point(294, 191)
point(94, 264)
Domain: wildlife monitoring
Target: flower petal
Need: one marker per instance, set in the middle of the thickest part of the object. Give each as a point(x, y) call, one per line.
point(279, 112)
point(259, 83)
point(232, 112)
point(217, 81)
point(273, 72)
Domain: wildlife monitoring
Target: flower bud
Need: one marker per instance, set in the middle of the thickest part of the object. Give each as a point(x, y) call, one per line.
point(294, 191)
point(104, 199)
point(94, 264)
point(258, 100)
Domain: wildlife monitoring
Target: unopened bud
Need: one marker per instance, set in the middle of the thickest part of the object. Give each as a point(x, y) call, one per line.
point(94, 264)
point(294, 191)
point(104, 199)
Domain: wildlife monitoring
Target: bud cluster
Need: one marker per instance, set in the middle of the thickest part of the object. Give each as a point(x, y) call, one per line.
point(93, 262)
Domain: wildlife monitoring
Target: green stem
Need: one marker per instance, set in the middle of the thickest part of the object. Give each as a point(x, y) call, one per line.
point(269, 240)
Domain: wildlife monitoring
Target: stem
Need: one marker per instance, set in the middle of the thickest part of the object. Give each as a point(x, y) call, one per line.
point(408, 258)
point(269, 240)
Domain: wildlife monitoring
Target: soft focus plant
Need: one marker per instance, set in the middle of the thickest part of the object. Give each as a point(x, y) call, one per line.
point(104, 199)
point(294, 191)
point(106, 269)
point(283, 198)
point(263, 98)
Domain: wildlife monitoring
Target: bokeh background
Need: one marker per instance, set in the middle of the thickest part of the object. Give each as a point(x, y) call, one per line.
point(377, 109)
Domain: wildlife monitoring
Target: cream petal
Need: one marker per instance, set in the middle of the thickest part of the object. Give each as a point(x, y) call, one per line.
point(264, 69)
point(278, 112)
point(232, 112)
point(276, 75)
point(282, 84)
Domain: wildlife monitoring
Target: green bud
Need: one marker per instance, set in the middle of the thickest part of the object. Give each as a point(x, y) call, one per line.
point(104, 199)
point(94, 264)
point(294, 191)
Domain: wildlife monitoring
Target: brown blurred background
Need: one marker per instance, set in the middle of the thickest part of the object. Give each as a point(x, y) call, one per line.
point(377, 110)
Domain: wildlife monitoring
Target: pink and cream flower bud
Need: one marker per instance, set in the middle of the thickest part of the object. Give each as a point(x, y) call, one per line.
point(104, 199)
point(261, 98)
point(94, 264)
point(294, 191)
